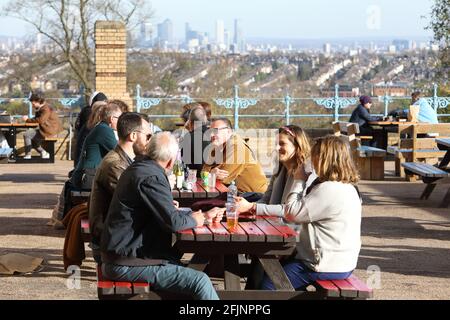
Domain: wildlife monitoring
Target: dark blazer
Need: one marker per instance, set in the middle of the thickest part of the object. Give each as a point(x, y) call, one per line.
point(142, 217)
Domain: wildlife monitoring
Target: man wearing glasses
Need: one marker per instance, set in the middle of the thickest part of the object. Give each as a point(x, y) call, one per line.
point(134, 134)
point(231, 159)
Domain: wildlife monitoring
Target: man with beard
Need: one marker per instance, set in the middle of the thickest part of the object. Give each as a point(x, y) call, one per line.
point(134, 134)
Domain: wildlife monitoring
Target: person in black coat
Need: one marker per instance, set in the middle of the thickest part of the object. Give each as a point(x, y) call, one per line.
point(136, 242)
point(81, 130)
point(361, 115)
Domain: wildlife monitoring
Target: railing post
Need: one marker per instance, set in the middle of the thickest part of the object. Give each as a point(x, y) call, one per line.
point(435, 96)
point(138, 98)
point(386, 104)
point(236, 107)
point(336, 102)
point(287, 101)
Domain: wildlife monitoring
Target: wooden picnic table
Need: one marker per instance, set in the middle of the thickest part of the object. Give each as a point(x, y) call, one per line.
point(265, 239)
point(199, 192)
point(383, 128)
point(12, 130)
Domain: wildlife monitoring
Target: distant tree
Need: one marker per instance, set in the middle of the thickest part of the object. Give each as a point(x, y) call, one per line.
point(168, 84)
point(440, 25)
point(69, 25)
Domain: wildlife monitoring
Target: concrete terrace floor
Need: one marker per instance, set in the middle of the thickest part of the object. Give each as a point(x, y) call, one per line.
point(405, 238)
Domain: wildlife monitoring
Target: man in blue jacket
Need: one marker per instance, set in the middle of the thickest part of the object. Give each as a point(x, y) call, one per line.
point(136, 242)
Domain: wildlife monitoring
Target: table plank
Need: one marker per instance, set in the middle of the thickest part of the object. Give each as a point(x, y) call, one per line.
point(203, 234)
point(272, 233)
point(238, 235)
point(221, 187)
point(198, 191)
point(175, 194)
point(289, 235)
point(253, 232)
point(219, 232)
point(186, 235)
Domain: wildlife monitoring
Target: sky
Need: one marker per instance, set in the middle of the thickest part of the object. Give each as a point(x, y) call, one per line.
point(299, 19)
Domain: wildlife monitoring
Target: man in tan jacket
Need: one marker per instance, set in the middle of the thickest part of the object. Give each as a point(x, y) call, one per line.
point(232, 159)
point(49, 126)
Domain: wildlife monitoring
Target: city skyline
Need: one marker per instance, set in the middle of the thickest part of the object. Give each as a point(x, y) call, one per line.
point(285, 20)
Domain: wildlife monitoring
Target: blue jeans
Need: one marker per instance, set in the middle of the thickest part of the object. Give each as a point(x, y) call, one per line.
point(168, 277)
point(301, 276)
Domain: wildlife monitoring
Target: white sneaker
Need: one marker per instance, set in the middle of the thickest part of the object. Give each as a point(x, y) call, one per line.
point(45, 155)
point(27, 157)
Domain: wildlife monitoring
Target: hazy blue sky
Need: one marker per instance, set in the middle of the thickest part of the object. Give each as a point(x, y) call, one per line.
point(287, 18)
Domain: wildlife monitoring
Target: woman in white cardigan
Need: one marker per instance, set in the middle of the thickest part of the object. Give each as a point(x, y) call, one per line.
point(329, 215)
point(293, 170)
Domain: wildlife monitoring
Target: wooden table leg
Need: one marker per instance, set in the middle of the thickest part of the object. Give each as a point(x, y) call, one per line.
point(446, 202)
point(275, 272)
point(199, 262)
point(231, 273)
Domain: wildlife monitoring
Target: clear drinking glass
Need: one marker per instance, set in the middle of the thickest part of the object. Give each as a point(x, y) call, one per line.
point(232, 216)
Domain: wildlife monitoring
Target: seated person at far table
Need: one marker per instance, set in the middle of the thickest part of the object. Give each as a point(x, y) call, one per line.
point(134, 135)
point(330, 219)
point(361, 116)
point(136, 242)
point(231, 159)
point(426, 112)
point(288, 183)
point(195, 141)
point(49, 126)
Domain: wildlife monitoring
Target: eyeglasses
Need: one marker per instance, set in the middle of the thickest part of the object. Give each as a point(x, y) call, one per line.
point(216, 130)
point(148, 135)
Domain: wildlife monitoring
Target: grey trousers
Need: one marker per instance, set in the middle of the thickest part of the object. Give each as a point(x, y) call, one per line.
point(33, 138)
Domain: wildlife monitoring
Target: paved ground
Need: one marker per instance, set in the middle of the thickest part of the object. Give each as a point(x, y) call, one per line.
point(407, 239)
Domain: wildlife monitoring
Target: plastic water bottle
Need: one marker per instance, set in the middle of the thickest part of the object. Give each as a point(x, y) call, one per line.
point(232, 192)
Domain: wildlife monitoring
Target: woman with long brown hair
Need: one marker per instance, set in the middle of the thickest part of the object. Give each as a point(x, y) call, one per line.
point(293, 171)
point(329, 215)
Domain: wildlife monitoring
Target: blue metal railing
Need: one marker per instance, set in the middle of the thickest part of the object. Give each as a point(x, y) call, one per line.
point(335, 104)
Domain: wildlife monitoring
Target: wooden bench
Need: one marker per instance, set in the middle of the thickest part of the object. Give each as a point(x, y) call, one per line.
point(369, 160)
point(351, 288)
point(413, 147)
point(431, 176)
point(85, 230)
point(5, 153)
point(49, 146)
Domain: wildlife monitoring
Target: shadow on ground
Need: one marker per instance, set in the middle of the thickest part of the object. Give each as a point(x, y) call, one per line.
point(28, 227)
point(32, 178)
point(28, 201)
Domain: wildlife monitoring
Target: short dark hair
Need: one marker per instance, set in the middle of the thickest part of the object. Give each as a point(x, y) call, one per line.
point(37, 97)
point(416, 94)
point(223, 119)
point(122, 105)
point(127, 123)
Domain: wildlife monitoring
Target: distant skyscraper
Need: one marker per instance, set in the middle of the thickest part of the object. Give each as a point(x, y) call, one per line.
point(238, 35)
point(327, 48)
point(165, 32)
point(146, 34)
point(227, 39)
point(39, 42)
point(220, 32)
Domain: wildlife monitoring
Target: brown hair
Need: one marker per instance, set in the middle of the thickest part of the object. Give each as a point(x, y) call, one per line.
point(207, 108)
point(96, 113)
point(298, 137)
point(121, 104)
point(332, 160)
